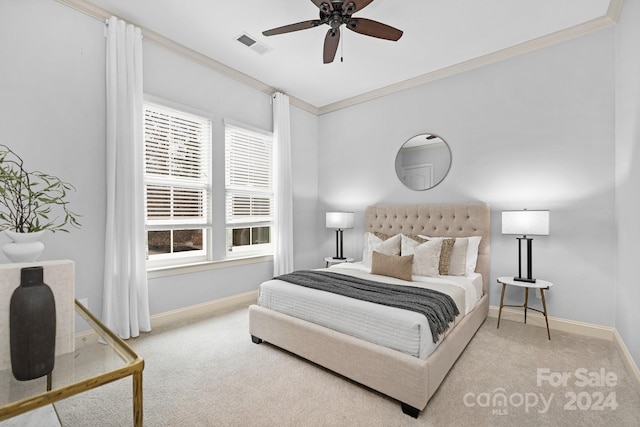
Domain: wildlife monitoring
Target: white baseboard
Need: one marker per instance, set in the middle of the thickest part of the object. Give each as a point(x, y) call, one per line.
point(209, 307)
point(573, 327)
point(555, 323)
point(626, 356)
point(157, 320)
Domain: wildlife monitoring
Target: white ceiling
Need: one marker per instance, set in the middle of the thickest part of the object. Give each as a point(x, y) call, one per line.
point(437, 34)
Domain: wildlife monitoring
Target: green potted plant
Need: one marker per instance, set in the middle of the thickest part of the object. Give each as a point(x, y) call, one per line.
point(30, 204)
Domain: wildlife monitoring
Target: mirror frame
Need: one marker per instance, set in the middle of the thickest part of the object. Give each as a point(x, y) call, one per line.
point(427, 135)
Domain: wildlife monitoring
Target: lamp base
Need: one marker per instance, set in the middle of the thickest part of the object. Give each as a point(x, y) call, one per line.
point(519, 278)
point(339, 245)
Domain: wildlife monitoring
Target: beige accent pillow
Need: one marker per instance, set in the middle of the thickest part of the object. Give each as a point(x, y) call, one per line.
point(445, 256)
point(392, 265)
point(380, 235)
point(426, 256)
point(416, 238)
point(390, 246)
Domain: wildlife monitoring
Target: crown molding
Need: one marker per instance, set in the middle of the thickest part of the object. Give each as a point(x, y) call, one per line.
point(613, 12)
point(88, 9)
point(158, 39)
point(608, 20)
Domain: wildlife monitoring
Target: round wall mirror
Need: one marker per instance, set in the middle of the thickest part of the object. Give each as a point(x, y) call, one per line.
point(423, 161)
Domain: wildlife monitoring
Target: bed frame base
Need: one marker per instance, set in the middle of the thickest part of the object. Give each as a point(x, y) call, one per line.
point(407, 409)
point(407, 379)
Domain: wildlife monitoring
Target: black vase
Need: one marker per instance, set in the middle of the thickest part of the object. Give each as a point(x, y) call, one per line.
point(32, 325)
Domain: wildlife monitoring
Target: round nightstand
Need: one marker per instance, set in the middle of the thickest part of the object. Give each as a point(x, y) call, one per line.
point(543, 285)
point(331, 260)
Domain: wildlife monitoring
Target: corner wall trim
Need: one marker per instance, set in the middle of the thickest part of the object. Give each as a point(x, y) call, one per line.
point(158, 39)
point(609, 19)
point(626, 356)
point(175, 316)
point(216, 306)
point(574, 327)
point(556, 323)
point(209, 307)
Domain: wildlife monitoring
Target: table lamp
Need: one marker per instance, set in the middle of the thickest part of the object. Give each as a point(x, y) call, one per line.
point(340, 221)
point(526, 223)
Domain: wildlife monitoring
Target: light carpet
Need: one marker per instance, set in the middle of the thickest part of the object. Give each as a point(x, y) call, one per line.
point(207, 372)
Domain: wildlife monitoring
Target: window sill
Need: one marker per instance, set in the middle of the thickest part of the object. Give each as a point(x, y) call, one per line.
point(156, 272)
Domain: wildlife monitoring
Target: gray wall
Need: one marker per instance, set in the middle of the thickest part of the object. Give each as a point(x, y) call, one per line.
point(628, 176)
point(535, 131)
point(52, 81)
point(52, 112)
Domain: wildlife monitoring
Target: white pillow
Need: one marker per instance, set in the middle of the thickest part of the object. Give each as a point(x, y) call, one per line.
point(472, 253)
point(458, 260)
point(407, 244)
point(426, 256)
point(473, 242)
point(391, 246)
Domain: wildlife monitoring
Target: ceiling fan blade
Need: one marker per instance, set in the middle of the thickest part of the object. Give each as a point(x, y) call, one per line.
point(352, 6)
point(293, 27)
point(331, 41)
point(372, 28)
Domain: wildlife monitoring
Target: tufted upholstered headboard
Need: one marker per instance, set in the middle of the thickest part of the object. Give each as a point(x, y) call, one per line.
point(437, 220)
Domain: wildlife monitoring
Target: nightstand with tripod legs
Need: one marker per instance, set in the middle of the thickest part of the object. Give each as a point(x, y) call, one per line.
point(543, 285)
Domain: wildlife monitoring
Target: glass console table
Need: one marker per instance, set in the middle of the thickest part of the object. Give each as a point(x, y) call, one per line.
point(88, 367)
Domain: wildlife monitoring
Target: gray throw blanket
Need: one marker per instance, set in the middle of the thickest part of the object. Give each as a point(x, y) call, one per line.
point(438, 308)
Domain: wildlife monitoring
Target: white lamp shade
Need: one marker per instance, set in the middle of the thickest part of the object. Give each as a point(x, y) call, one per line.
point(340, 220)
point(525, 222)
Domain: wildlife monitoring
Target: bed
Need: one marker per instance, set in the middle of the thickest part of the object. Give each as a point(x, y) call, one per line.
point(411, 375)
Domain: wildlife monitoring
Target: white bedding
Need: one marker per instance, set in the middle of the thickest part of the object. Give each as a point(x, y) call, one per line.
point(472, 284)
point(399, 329)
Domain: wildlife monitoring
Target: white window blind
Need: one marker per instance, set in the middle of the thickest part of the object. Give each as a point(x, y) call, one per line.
point(248, 177)
point(177, 173)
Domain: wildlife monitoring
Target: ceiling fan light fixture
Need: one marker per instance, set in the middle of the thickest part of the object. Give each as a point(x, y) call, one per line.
point(348, 7)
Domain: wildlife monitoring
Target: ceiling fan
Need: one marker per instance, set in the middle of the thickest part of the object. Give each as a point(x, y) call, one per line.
point(334, 13)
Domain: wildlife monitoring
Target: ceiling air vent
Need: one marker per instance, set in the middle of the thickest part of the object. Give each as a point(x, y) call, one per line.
point(252, 44)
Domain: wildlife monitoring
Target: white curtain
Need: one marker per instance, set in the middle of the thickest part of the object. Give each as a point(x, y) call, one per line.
point(125, 299)
point(283, 251)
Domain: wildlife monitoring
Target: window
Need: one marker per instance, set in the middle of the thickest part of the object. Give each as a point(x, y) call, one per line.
point(248, 191)
point(177, 185)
